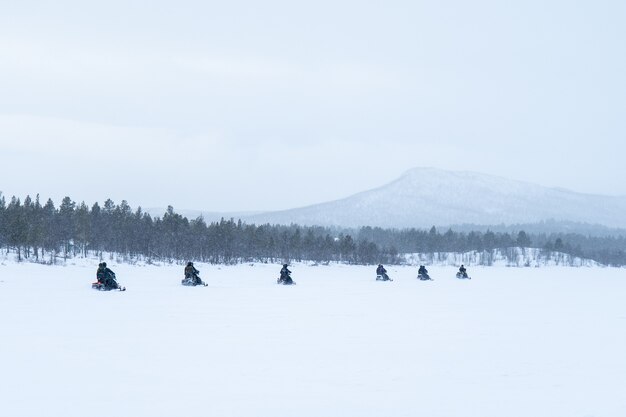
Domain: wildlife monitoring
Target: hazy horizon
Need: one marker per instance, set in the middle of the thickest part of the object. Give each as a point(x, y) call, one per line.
point(159, 210)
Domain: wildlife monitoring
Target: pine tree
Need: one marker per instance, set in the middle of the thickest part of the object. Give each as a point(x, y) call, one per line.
point(49, 227)
point(523, 240)
point(3, 222)
point(16, 226)
point(66, 224)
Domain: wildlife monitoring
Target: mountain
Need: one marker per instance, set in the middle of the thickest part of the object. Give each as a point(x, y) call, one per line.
point(424, 197)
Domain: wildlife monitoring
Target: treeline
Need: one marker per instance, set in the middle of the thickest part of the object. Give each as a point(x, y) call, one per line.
point(45, 232)
point(607, 250)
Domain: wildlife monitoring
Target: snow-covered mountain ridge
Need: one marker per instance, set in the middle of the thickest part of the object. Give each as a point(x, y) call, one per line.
point(423, 197)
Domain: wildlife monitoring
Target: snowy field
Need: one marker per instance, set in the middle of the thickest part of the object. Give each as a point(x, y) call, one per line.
point(528, 342)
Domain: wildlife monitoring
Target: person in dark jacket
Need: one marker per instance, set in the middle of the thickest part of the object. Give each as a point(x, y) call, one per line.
point(381, 271)
point(101, 274)
point(106, 276)
point(463, 271)
point(422, 273)
point(192, 273)
point(285, 275)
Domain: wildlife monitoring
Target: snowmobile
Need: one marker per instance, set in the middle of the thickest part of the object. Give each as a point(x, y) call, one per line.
point(424, 277)
point(285, 280)
point(193, 282)
point(383, 277)
point(108, 284)
point(461, 275)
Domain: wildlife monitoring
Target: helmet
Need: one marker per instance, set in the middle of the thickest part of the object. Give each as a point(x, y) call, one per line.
point(104, 264)
point(100, 265)
point(284, 265)
point(189, 263)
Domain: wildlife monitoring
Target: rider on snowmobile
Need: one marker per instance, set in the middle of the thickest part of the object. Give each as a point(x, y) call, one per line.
point(381, 271)
point(100, 274)
point(192, 273)
point(423, 272)
point(106, 276)
point(463, 271)
point(285, 275)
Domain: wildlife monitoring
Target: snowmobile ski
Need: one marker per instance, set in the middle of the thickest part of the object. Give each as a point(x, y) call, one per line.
point(189, 282)
point(102, 287)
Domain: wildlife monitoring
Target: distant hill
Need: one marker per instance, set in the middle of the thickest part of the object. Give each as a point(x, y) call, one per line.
point(424, 197)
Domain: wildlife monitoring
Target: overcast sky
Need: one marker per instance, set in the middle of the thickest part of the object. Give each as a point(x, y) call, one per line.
point(257, 105)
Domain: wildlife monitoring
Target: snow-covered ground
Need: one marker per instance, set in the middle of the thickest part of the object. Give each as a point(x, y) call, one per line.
point(510, 342)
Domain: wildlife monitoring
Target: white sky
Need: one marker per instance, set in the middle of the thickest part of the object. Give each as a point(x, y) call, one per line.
point(267, 105)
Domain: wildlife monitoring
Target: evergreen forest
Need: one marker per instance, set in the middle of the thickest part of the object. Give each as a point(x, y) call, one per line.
point(44, 232)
